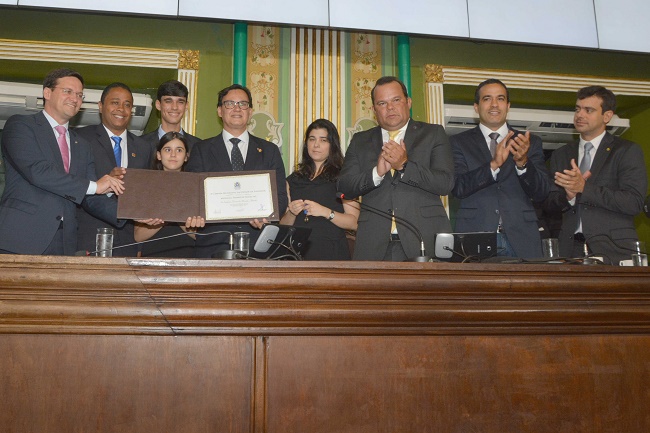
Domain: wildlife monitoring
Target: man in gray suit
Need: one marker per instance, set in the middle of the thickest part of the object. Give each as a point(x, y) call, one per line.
point(499, 176)
point(599, 195)
point(235, 149)
point(49, 169)
point(171, 102)
point(400, 167)
point(114, 149)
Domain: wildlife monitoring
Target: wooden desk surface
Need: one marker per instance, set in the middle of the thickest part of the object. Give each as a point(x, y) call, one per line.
point(92, 344)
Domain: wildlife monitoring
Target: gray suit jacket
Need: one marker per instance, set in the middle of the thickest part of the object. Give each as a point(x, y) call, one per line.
point(414, 196)
point(39, 193)
point(612, 196)
point(211, 156)
point(510, 197)
point(139, 156)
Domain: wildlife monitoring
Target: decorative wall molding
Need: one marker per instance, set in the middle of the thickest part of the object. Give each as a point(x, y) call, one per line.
point(186, 62)
point(437, 76)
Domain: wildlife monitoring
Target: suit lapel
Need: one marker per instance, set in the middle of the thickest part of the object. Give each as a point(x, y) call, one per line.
point(603, 152)
point(253, 155)
point(479, 147)
point(52, 143)
point(105, 141)
point(75, 153)
point(220, 155)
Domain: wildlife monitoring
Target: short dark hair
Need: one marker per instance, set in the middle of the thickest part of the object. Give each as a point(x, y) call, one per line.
point(225, 91)
point(171, 135)
point(386, 80)
point(114, 86)
point(606, 96)
point(334, 162)
point(172, 88)
point(477, 93)
point(53, 76)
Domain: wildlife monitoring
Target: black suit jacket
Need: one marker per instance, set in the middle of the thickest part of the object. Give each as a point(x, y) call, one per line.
point(139, 156)
point(612, 196)
point(211, 156)
point(39, 193)
point(414, 196)
point(510, 197)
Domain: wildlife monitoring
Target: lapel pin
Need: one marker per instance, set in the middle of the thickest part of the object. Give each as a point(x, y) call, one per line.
point(133, 155)
point(608, 149)
point(259, 150)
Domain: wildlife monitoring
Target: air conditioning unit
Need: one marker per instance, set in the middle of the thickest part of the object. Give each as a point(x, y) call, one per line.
point(23, 98)
point(554, 127)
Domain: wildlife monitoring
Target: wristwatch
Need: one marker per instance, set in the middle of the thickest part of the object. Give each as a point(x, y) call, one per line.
point(403, 168)
point(331, 217)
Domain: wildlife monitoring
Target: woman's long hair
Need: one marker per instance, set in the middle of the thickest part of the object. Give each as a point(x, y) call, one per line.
point(172, 135)
point(334, 162)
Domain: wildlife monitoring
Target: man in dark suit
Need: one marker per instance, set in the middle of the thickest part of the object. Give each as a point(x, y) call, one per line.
point(235, 149)
point(50, 170)
point(499, 175)
point(599, 196)
point(400, 167)
point(171, 102)
point(114, 149)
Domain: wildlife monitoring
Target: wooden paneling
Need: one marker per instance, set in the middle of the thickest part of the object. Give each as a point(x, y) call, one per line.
point(90, 344)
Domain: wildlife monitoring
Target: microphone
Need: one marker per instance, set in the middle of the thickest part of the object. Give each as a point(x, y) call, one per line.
point(423, 255)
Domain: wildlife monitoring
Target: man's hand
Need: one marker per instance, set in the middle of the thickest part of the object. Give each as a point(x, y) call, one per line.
point(118, 172)
point(519, 147)
point(152, 222)
point(383, 166)
point(573, 181)
point(257, 223)
point(395, 154)
point(502, 152)
point(109, 183)
point(194, 222)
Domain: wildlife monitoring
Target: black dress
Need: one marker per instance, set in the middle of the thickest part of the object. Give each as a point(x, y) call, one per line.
point(177, 247)
point(327, 241)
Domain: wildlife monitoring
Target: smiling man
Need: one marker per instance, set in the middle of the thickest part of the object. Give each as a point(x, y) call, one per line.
point(235, 149)
point(601, 182)
point(115, 149)
point(401, 167)
point(171, 102)
point(49, 169)
point(500, 172)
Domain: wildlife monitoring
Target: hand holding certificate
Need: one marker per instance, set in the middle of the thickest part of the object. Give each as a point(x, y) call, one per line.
point(219, 197)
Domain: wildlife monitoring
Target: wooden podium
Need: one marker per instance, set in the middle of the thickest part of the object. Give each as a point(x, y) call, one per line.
point(144, 345)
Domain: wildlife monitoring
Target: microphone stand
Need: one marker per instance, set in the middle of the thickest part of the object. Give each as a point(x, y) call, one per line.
point(423, 255)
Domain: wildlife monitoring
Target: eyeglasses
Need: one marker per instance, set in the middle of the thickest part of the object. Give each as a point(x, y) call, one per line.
point(244, 105)
point(70, 92)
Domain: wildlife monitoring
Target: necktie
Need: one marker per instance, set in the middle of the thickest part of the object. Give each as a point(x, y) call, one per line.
point(493, 143)
point(63, 147)
point(117, 150)
point(585, 164)
point(236, 157)
point(392, 135)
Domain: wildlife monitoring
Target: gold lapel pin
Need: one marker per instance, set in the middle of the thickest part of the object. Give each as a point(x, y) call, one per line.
point(259, 150)
point(608, 149)
point(133, 155)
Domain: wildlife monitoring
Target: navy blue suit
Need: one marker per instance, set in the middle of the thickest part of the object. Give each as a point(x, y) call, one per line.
point(510, 197)
point(211, 155)
point(139, 156)
point(39, 194)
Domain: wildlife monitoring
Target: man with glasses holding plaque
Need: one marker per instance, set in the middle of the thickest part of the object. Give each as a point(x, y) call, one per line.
point(235, 149)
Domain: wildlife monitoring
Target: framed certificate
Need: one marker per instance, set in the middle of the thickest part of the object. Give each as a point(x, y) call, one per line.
point(235, 196)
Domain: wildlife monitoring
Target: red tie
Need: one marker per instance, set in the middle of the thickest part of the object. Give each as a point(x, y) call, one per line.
point(63, 147)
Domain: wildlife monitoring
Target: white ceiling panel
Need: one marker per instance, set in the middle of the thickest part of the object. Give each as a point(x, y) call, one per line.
point(556, 22)
point(430, 17)
point(152, 7)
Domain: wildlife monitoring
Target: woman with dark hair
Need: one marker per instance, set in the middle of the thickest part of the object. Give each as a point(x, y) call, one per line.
point(171, 155)
point(312, 195)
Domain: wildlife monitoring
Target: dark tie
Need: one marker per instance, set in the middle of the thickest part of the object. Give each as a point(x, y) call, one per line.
point(236, 157)
point(63, 147)
point(585, 164)
point(117, 150)
point(493, 143)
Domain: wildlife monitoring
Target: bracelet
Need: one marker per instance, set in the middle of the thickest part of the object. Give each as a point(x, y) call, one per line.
point(331, 217)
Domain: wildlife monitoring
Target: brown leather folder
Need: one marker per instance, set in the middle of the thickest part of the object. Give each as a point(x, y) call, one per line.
point(175, 196)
